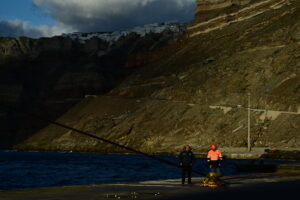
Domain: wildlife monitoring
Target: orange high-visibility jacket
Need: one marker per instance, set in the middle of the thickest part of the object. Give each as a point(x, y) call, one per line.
point(214, 155)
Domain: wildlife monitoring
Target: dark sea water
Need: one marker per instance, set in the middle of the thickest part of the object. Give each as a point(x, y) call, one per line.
point(21, 170)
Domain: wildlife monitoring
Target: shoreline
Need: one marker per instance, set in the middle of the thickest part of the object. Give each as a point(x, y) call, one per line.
point(229, 153)
point(164, 189)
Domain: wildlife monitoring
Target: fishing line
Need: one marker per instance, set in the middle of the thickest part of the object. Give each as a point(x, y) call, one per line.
point(105, 140)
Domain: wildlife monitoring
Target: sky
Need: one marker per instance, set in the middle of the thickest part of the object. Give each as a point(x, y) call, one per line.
point(46, 18)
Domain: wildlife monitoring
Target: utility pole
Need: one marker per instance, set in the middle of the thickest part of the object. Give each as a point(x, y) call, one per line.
point(249, 122)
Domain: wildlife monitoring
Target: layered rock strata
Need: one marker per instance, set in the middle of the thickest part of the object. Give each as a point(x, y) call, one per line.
point(198, 94)
point(213, 15)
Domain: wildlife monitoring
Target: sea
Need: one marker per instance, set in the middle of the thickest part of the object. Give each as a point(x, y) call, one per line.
point(23, 170)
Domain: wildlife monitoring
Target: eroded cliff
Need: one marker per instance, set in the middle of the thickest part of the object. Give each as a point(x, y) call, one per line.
point(47, 76)
point(198, 95)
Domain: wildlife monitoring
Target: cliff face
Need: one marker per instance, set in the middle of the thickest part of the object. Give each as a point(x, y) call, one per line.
point(198, 94)
point(217, 14)
point(47, 76)
point(208, 9)
point(213, 5)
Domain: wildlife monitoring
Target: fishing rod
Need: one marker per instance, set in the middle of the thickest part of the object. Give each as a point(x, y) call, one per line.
point(105, 140)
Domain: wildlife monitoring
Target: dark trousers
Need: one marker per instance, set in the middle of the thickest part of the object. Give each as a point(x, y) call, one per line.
point(215, 166)
point(186, 170)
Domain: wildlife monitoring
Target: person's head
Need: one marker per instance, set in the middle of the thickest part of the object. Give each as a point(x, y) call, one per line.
point(213, 147)
point(188, 147)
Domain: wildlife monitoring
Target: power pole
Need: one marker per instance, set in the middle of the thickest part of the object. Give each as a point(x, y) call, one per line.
point(249, 122)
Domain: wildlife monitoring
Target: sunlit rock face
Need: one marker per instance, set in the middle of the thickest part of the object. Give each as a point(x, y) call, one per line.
point(206, 5)
point(207, 9)
point(198, 94)
point(216, 14)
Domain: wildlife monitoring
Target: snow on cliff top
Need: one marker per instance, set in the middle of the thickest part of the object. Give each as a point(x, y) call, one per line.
point(173, 26)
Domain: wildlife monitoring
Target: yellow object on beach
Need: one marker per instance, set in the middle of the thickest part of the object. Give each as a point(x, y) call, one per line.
point(212, 180)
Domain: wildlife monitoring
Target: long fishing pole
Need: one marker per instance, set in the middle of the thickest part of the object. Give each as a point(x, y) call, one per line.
point(106, 141)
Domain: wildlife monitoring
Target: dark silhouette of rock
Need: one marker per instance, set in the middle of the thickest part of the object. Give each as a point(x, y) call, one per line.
point(47, 76)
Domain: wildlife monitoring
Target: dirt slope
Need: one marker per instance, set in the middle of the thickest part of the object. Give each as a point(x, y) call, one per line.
point(193, 95)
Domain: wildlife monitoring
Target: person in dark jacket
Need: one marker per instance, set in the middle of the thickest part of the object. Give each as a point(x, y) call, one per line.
point(186, 161)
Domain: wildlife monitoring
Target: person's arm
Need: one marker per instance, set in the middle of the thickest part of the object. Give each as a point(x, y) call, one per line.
point(180, 159)
point(208, 159)
point(220, 156)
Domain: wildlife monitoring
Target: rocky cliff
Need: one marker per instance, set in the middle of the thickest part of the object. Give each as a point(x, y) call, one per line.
point(198, 94)
point(217, 14)
point(47, 76)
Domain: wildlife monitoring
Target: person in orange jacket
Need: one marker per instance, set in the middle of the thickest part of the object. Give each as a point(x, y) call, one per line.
point(214, 158)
